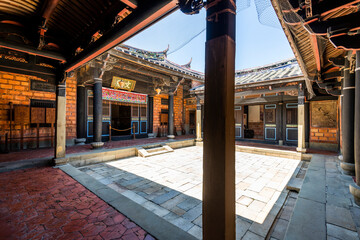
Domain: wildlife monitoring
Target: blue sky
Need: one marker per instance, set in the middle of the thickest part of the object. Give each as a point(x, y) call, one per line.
point(256, 44)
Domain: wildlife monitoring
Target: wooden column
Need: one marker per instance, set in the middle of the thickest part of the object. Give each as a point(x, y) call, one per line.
point(198, 121)
point(219, 123)
point(280, 123)
point(171, 116)
point(301, 119)
point(355, 187)
point(97, 113)
point(81, 114)
point(348, 92)
point(150, 114)
point(60, 129)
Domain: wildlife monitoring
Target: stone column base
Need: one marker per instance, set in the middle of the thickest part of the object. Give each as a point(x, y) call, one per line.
point(198, 140)
point(355, 191)
point(151, 135)
point(170, 136)
point(59, 161)
point(80, 141)
point(97, 145)
point(301, 150)
point(348, 168)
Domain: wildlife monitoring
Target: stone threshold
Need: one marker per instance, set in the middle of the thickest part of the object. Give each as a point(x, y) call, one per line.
point(104, 155)
point(149, 221)
point(270, 152)
point(27, 163)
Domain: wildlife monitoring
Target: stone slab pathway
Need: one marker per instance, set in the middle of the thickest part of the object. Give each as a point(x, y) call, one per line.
point(45, 203)
point(324, 209)
point(170, 185)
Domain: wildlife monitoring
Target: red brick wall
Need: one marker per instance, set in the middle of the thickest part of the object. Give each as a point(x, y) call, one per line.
point(71, 108)
point(15, 88)
point(325, 135)
point(157, 111)
point(178, 109)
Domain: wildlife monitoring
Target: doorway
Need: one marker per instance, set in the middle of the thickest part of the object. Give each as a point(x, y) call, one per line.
point(120, 119)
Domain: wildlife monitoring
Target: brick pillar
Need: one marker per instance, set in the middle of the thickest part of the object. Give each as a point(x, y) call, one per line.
point(60, 129)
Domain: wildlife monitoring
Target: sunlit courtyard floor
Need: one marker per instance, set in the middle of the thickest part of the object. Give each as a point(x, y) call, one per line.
point(170, 185)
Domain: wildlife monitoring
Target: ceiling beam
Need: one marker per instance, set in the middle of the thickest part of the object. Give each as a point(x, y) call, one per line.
point(316, 52)
point(123, 31)
point(131, 3)
point(32, 51)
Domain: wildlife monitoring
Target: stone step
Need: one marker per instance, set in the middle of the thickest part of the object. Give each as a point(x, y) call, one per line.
point(149, 151)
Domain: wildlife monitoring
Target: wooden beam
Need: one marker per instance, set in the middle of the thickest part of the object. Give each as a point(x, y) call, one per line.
point(131, 3)
point(33, 51)
point(316, 52)
point(122, 32)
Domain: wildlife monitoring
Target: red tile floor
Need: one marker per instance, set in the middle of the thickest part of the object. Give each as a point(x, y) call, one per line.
point(45, 203)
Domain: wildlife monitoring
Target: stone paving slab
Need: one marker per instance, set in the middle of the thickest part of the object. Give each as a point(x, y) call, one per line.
point(45, 203)
point(325, 208)
point(170, 185)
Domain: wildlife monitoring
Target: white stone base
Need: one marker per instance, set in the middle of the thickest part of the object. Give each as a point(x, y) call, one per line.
point(170, 136)
point(97, 145)
point(355, 191)
point(348, 168)
point(301, 150)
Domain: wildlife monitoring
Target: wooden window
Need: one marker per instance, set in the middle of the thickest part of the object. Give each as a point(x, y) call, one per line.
point(270, 114)
point(105, 107)
point(143, 111)
point(134, 111)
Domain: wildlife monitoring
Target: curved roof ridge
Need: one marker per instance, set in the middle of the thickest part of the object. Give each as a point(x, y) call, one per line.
point(268, 66)
point(145, 53)
point(187, 65)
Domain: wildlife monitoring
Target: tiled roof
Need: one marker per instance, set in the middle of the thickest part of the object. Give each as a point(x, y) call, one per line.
point(280, 70)
point(275, 71)
point(159, 58)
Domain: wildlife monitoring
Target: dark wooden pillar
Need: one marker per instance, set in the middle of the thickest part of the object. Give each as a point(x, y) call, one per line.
point(150, 114)
point(219, 122)
point(171, 115)
point(348, 92)
point(81, 113)
point(60, 129)
point(97, 127)
point(355, 188)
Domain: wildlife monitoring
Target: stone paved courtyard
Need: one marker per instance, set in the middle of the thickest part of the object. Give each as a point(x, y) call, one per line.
point(170, 185)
